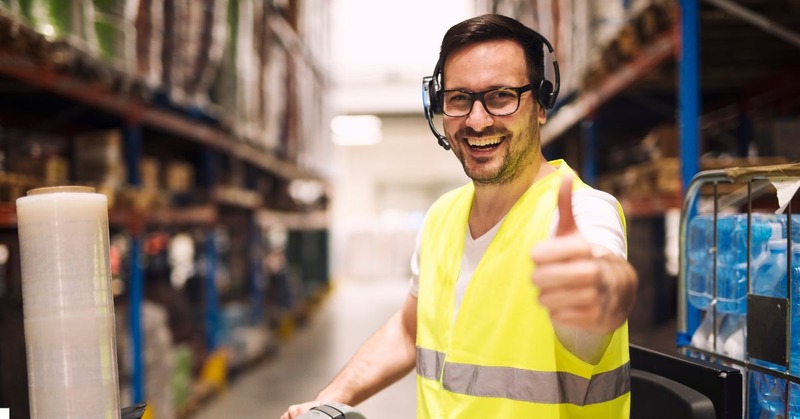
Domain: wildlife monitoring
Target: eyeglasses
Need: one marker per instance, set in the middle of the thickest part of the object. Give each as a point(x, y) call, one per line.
point(497, 102)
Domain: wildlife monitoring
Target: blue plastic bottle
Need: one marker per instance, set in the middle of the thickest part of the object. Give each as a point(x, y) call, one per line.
point(732, 258)
point(794, 401)
point(794, 365)
point(731, 272)
point(770, 280)
point(699, 244)
point(770, 272)
point(770, 391)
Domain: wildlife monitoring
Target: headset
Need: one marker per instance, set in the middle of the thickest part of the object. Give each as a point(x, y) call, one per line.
point(546, 92)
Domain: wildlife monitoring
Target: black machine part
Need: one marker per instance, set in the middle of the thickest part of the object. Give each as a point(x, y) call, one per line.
point(332, 411)
point(134, 412)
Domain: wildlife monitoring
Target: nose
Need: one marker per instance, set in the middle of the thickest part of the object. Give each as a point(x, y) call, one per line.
point(478, 118)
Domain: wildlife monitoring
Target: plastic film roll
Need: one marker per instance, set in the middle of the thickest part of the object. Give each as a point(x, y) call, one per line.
point(68, 304)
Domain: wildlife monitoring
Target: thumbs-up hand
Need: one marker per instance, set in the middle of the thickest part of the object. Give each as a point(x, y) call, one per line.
point(577, 280)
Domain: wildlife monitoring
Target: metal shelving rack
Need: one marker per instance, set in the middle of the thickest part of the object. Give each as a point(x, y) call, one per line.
point(69, 86)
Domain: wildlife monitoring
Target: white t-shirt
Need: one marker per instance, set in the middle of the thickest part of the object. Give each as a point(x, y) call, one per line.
point(595, 214)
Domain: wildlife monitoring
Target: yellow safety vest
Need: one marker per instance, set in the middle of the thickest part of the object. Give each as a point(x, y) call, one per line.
point(500, 358)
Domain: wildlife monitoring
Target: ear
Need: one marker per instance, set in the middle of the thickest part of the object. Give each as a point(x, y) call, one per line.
point(542, 115)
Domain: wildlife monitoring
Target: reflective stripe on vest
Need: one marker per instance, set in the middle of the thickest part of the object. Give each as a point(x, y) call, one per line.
point(523, 385)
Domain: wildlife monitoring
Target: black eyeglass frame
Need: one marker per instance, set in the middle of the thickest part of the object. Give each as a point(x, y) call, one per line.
point(481, 97)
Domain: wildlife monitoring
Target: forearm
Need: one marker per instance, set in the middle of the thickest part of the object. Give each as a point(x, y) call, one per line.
point(384, 358)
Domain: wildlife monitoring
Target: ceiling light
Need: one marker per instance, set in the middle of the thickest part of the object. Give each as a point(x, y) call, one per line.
point(356, 130)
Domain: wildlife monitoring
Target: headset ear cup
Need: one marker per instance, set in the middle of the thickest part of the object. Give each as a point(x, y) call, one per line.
point(545, 94)
point(434, 91)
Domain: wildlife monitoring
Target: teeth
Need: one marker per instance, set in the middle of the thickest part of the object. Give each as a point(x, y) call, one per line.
point(483, 142)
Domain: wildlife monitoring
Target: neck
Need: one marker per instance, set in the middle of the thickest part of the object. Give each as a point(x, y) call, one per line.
point(493, 201)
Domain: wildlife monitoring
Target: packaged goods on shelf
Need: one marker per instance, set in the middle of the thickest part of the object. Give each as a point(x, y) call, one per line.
point(159, 362)
point(726, 162)
point(654, 178)
point(205, 35)
point(100, 148)
point(115, 31)
point(271, 82)
point(663, 176)
point(183, 376)
point(574, 32)
point(149, 24)
point(60, 20)
point(308, 106)
point(314, 146)
point(179, 176)
point(35, 159)
point(661, 142)
point(275, 91)
point(149, 172)
point(136, 198)
point(180, 46)
point(605, 20)
point(618, 35)
point(236, 87)
point(606, 17)
point(13, 186)
point(247, 66)
point(172, 53)
point(98, 159)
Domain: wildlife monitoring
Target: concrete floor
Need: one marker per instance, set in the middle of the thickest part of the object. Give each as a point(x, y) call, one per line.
point(316, 352)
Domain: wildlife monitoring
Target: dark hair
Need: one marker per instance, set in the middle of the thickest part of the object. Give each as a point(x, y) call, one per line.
point(492, 27)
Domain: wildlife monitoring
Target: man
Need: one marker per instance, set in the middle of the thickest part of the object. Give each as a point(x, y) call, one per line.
point(518, 305)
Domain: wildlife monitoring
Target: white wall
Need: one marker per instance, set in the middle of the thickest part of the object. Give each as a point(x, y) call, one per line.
point(380, 195)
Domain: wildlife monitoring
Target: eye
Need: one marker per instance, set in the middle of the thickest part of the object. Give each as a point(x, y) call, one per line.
point(456, 97)
point(501, 95)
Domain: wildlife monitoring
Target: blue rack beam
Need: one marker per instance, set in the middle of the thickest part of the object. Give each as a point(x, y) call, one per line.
point(132, 137)
point(689, 118)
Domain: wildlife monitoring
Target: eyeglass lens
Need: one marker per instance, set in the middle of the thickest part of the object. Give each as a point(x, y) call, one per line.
point(497, 102)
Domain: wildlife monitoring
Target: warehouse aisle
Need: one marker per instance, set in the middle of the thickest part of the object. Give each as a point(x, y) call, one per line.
point(305, 363)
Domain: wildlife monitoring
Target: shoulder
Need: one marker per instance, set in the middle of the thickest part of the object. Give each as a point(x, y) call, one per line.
point(592, 200)
point(599, 218)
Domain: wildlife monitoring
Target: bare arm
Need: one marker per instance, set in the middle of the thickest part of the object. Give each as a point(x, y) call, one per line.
point(387, 356)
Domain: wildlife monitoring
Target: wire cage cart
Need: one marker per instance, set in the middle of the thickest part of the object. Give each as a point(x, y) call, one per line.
point(739, 281)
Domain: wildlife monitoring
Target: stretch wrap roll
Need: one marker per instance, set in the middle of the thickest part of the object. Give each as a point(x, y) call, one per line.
point(68, 304)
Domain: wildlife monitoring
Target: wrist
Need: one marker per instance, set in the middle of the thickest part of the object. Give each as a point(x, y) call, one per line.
point(328, 395)
point(617, 287)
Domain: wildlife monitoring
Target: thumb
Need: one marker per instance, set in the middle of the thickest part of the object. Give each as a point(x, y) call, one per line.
point(566, 221)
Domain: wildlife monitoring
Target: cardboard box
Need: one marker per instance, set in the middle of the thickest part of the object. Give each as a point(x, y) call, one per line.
point(179, 177)
point(150, 172)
